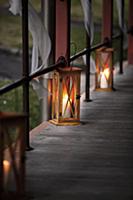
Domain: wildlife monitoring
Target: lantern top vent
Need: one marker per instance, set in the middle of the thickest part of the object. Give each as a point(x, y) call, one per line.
point(69, 69)
point(105, 49)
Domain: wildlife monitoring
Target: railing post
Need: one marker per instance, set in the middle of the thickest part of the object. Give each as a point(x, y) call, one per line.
point(87, 74)
point(25, 68)
point(62, 29)
point(121, 38)
point(107, 19)
point(87, 78)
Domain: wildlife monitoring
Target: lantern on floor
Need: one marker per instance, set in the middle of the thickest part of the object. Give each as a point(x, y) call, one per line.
point(12, 150)
point(104, 69)
point(66, 96)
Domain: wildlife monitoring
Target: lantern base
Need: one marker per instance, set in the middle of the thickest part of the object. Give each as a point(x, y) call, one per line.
point(64, 123)
point(104, 89)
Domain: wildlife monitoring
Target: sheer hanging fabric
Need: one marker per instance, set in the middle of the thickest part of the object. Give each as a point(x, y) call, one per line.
point(88, 18)
point(121, 24)
point(15, 7)
point(89, 26)
point(41, 42)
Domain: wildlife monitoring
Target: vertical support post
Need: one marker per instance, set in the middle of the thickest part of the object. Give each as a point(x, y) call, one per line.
point(87, 78)
point(51, 29)
point(42, 9)
point(62, 45)
point(25, 68)
point(107, 21)
point(48, 17)
point(130, 36)
point(122, 38)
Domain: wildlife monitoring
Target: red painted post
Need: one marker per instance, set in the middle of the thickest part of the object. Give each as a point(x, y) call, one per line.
point(107, 20)
point(62, 44)
point(130, 36)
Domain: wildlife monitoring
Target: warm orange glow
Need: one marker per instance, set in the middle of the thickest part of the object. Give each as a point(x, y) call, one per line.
point(66, 105)
point(6, 166)
point(107, 73)
point(65, 99)
point(104, 78)
point(6, 169)
point(65, 96)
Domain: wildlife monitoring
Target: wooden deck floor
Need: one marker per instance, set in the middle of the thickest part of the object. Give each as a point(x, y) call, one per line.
point(92, 161)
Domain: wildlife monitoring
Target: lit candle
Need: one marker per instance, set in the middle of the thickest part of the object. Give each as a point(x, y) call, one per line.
point(6, 169)
point(66, 106)
point(103, 83)
point(107, 73)
point(104, 78)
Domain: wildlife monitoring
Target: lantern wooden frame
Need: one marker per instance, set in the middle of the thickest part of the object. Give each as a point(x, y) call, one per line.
point(66, 96)
point(104, 69)
point(12, 156)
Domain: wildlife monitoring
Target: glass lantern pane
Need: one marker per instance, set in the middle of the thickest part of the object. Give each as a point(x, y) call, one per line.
point(104, 69)
point(68, 97)
point(105, 74)
point(11, 160)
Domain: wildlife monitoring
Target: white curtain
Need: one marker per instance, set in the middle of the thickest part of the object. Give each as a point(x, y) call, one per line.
point(89, 26)
point(15, 6)
point(92, 64)
point(119, 9)
point(41, 42)
point(88, 18)
point(121, 24)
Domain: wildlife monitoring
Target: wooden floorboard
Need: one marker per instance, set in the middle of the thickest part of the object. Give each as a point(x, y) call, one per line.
point(91, 161)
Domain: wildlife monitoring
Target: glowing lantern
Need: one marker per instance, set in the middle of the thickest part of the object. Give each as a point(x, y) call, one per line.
point(66, 96)
point(12, 152)
point(104, 69)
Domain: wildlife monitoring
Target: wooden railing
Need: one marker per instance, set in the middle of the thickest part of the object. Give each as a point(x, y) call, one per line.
point(26, 78)
point(61, 63)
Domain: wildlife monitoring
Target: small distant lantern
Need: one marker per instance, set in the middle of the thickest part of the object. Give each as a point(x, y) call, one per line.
point(104, 69)
point(66, 96)
point(12, 152)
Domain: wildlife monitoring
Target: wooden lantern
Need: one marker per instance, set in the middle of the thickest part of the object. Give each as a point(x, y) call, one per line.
point(66, 96)
point(12, 154)
point(104, 69)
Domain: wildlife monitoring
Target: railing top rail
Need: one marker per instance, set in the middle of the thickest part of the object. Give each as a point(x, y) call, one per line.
point(21, 81)
point(83, 52)
point(12, 86)
point(60, 63)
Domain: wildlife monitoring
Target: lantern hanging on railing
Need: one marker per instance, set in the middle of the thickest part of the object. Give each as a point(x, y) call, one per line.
point(66, 96)
point(104, 69)
point(12, 154)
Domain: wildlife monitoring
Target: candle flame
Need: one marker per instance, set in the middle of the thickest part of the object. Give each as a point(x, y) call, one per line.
point(65, 97)
point(6, 166)
point(66, 105)
point(107, 73)
point(6, 169)
point(65, 100)
point(104, 78)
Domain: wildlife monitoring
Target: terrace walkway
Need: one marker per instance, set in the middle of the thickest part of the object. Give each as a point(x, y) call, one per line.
point(92, 161)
